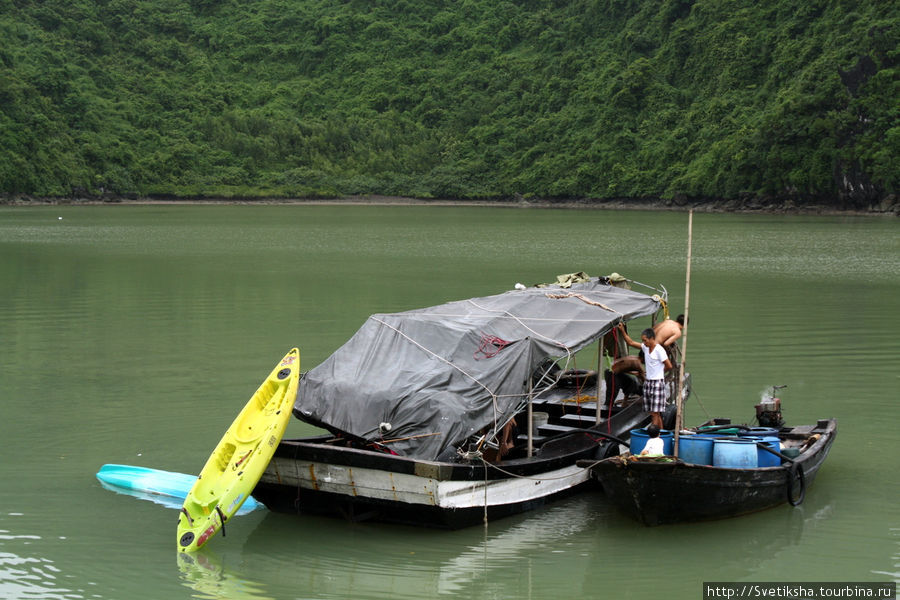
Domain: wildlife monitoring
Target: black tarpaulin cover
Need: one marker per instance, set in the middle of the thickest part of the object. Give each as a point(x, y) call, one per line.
point(441, 374)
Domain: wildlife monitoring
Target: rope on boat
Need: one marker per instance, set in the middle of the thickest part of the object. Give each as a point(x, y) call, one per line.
point(519, 320)
point(578, 399)
point(505, 472)
point(439, 357)
point(221, 519)
point(494, 396)
point(665, 306)
point(584, 299)
point(499, 344)
point(411, 437)
point(490, 346)
point(587, 432)
point(697, 398)
point(485, 495)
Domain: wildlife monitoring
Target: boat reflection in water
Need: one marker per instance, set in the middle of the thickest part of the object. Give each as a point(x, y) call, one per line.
point(579, 540)
point(312, 555)
point(560, 530)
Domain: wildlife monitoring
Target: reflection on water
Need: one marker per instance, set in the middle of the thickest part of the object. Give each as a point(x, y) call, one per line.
point(581, 544)
point(205, 573)
point(327, 558)
point(549, 531)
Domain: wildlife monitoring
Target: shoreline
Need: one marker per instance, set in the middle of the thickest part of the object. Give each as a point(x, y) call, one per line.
point(736, 206)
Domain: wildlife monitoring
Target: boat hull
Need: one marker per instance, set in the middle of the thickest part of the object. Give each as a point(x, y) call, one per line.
point(658, 491)
point(359, 493)
point(309, 476)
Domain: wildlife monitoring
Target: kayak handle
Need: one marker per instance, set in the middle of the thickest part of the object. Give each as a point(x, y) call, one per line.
point(188, 515)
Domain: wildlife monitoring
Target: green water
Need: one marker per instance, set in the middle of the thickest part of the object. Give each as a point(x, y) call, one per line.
point(134, 334)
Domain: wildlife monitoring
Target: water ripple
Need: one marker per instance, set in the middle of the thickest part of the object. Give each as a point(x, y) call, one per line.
point(31, 577)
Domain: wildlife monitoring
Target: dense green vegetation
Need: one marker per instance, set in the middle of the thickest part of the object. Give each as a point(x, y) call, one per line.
point(437, 98)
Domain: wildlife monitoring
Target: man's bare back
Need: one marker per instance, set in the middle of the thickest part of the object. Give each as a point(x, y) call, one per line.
point(626, 364)
point(668, 331)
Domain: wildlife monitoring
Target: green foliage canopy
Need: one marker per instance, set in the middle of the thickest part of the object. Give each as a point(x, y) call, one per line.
point(468, 99)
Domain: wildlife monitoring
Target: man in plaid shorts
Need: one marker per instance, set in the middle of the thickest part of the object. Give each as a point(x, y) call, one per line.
point(656, 363)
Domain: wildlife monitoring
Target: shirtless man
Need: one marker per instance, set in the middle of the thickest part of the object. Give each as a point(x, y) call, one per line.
point(624, 374)
point(668, 331)
point(628, 363)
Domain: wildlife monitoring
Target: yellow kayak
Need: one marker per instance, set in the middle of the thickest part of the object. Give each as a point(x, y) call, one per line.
point(242, 455)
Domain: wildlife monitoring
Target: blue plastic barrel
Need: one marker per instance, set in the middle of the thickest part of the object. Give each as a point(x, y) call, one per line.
point(735, 453)
point(767, 459)
point(639, 439)
point(760, 432)
point(696, 449)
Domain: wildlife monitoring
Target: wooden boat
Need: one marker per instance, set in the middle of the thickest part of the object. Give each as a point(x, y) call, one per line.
point(239, 459)
point(420, 406)
point(717, 484)
point(323, 475)
point(657, 490)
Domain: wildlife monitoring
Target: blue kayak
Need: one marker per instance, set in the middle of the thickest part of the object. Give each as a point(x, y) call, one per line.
point(163, 487)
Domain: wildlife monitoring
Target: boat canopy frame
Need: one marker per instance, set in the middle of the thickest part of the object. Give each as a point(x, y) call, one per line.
point(422, 382)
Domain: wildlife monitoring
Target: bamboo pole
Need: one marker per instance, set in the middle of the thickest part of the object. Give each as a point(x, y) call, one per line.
point(530, 450)
point(679, 402)
point(599, 379)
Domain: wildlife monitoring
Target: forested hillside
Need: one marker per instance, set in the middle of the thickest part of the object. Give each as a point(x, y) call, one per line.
point(776, 99)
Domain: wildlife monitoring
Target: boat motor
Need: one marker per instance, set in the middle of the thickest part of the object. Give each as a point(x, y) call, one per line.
point(768, 411)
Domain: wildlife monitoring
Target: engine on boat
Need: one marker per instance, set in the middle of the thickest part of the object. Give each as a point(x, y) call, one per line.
point(768, 411)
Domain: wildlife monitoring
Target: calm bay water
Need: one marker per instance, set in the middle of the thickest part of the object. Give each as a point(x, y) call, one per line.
point(134, 334)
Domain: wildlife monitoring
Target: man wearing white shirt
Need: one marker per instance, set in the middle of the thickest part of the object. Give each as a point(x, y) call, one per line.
point(656, 363)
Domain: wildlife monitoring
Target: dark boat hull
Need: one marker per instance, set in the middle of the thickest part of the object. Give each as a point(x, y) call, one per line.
point(656, 492)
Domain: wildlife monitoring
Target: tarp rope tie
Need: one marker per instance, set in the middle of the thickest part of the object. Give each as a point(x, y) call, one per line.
point(490, 346)
point(522, 323)
point(505, 472)
point(583, 298)
point(439, 357)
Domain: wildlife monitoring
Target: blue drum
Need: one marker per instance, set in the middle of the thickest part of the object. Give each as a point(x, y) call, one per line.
point(639, 439)
point(696, 449)
point(735, 453)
